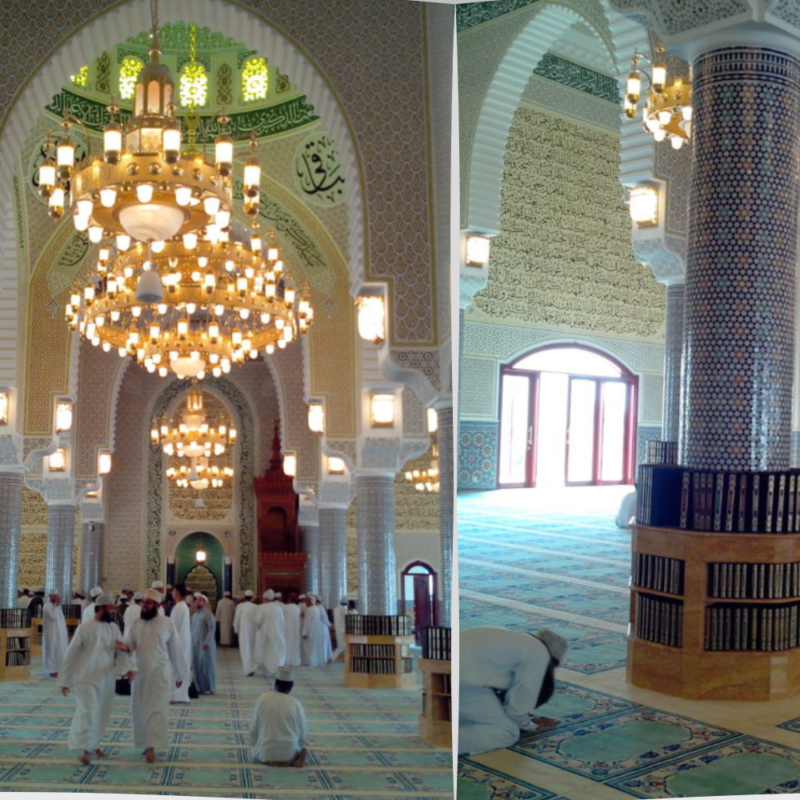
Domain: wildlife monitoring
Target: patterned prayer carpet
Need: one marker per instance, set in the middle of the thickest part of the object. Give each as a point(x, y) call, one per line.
point(364, 744)
point(529, 560)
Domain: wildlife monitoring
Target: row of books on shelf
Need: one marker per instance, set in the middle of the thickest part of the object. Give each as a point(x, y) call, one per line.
point(661, 452)
point(731, 502)
point(658, 573)
point(659, 620)
point(436, 643)
point(377, 650)
point(380, 666)
point(445, 684)
point(754, 628)
point(754, 581)
point(21, 659)
point(15, 618)
point(18, 643)
point(437, 703)
point(373, 625)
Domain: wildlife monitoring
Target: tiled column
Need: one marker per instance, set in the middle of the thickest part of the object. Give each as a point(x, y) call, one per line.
point(92, 555)
point(445, 414)
point(375, 526)
point(673, 358)
point(739, 322)
point(60, 543)
point(333, 552)
point(310, 542)
point(11, 484)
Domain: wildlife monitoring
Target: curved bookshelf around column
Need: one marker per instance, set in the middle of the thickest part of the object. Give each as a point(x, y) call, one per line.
point(715, 616)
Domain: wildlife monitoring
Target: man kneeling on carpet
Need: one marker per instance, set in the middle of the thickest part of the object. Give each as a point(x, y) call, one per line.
point(505, 675)
point(278, 730)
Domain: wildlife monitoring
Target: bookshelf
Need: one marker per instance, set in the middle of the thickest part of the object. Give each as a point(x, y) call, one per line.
point(15, 644)
point(714, 615)
point(436, 719)
point(378, 653)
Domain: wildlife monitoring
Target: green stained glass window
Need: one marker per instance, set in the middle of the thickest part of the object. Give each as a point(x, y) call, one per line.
point(82, 78)
point(255, 79)
point(193, 86)
point(129, 71)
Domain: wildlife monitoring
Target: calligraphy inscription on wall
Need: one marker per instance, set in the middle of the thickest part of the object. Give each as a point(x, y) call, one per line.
point(564, 257)
point(317, 171)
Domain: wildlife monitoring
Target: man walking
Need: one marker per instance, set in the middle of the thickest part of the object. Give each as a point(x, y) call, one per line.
point(54, 635)
point(204, 647)
point(95, 656)
point(271, 642)
point(244, 623)
point(181, 620)
point(226, 608)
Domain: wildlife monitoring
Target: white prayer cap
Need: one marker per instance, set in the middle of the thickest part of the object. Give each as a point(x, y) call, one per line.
point(226, 594)
point(302, 597)
point(53, 591)
point(554, 643)
point(153, 594)
point(105, 600)
point(248, 593)
point(343, 601)
point(198, 595)
point(269, 595)
point(157, 585)
point(138, 596)
point(285, 674)
point(95, 591)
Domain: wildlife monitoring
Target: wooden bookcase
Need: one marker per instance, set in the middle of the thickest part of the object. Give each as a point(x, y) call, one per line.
point(688, 667)
point(15, 645)
point(436, 719)
point(364, 653)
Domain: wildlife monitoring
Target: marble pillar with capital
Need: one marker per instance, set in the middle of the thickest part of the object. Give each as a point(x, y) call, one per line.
point(333, 553)
point(446, 477)
point(60, 545)
point(11, 486)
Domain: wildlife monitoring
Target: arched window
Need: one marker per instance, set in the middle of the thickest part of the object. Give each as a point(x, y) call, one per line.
point(129, 71)
point(193, 86)
point(567, 417)
point(255, 79)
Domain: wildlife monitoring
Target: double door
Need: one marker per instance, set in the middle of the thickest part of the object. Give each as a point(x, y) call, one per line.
point(559, 429)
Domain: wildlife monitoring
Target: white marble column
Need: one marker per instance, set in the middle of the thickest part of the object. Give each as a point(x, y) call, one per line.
point(309, 537)
point(333, 551)
point(446, 466)
point(11, 485)
point(92, 555)
point(60, 544)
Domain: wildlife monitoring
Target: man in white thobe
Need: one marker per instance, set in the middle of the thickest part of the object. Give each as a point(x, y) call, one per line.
point(182, 621)
point(339, 615)
point(226, 608)
point(504, 676)
point(24, 600)
point(95, 656)
point(134, 610)
point(326, 629)
point(278, 729)
point(244, 623)
point(291, 619)
point(88, 610)
point(160, 666)
point(313, 634)
point(270, 638)
point(54, 635)
point(158, 586)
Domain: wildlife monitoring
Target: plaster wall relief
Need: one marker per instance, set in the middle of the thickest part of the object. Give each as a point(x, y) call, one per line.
point(415, 512)
point(560, 261)
point(675, 17)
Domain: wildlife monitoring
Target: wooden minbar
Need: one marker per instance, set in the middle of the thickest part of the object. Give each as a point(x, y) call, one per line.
point(378, 653)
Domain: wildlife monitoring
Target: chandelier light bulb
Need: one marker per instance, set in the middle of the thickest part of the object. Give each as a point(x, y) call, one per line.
point(157, 247)
point(56, 202)
point(81, 223)
point(112, 142)
point(190, 240)
point(144, 192)
point(211, 205)
point(183, 195)
point(171, 141)
point(222, 218)
point(659, 134)
point(95, 234)
point(686, 113)
point(634, 87)
point(676, 142)
point(108, 196)
point(659, 78)
point(123, 242)
point(47, 177)
point(664, 117)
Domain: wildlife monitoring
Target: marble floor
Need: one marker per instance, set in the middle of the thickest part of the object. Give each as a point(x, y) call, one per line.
point(364, 744)
point(529, 559)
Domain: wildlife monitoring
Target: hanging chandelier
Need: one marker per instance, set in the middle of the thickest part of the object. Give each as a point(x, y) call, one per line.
point(171, 287)
point(200, 442)
point(667, 111)
point(426, 480)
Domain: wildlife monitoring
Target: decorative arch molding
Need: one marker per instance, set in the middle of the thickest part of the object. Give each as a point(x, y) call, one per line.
point(226, 17)
point(233, 396)
point(590, 345)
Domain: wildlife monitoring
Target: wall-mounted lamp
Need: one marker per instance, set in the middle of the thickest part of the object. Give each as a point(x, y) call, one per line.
point(644, 206)
point(57, 462)
point(290, 465)
point(316, 417)
point(336, 466)
point(103, 462)
point(5, 407)
point(371, 318)
point(478, 248)
point(200, 556)
point(382, 410)
point(433, 420)
point(63, 416)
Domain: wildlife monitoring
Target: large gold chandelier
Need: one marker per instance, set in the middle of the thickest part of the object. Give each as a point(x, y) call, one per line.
point(200, 442)
point(667, 111)
point(172, 290)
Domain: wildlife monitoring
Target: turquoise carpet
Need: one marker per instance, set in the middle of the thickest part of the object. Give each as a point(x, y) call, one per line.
point(364, 744)
point(569, 570)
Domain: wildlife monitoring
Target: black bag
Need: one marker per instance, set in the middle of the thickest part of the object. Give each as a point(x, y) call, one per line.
point(123, 686)
point(193, 693)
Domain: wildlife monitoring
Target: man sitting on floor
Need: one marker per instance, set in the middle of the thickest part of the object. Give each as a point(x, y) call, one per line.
point(505, 675)
point(278, 730)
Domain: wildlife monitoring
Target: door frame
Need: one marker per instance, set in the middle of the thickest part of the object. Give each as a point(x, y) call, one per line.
point(631, 417)
point(434, 575)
